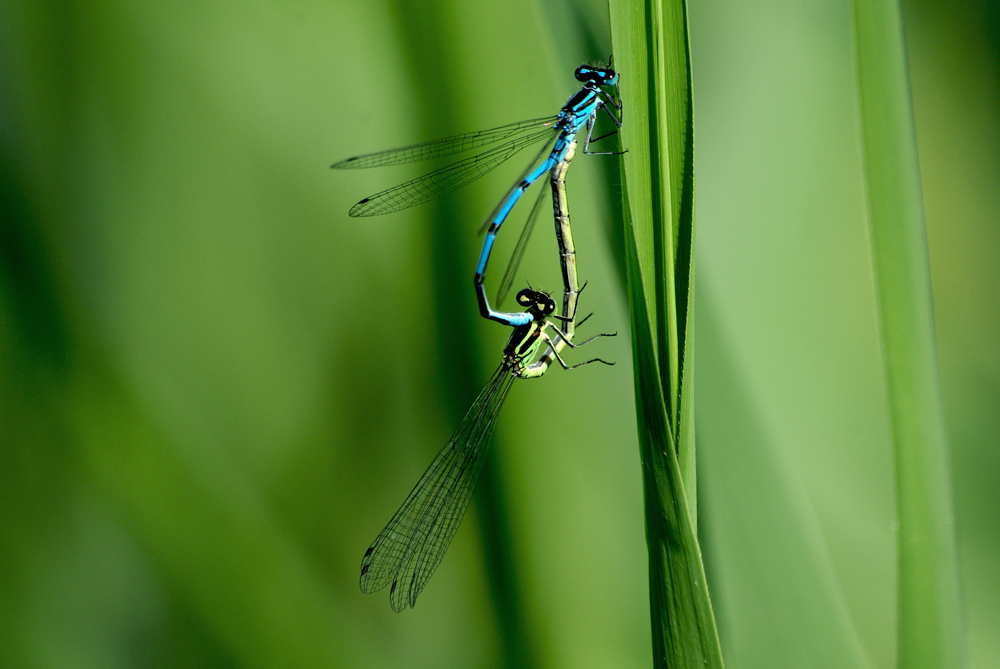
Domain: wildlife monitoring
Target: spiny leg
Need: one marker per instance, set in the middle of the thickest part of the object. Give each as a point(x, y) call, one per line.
point(563, 362)
point(586, 341)
point(604, 136)
point(617, 105)
point(590, 131)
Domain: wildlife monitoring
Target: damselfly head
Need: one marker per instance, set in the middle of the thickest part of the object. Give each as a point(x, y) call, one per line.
point(536, 301)
point(602, 76)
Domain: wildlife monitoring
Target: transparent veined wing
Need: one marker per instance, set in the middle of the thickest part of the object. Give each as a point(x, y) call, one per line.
point(409, 549)
point(522, 244)
point(441, 147)
point(446, 179)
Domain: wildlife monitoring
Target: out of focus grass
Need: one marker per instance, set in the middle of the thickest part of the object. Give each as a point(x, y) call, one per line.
point(930, 624)
point(215, 387)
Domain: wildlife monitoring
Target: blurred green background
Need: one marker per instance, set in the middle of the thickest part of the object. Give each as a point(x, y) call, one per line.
point(216, 388)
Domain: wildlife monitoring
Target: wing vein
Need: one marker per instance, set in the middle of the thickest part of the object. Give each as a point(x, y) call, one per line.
point(415, 540)
point(522, 244)
point(445, 180)
point(440, 147)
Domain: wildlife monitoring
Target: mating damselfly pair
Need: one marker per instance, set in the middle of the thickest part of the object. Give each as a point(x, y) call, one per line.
point(409, 549)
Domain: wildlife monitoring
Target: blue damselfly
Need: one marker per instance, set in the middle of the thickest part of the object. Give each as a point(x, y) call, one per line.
point(557, 132)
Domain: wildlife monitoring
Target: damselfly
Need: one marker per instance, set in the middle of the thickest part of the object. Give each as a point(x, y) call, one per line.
point(567, 256)
point(558, 132)
point(409, 549)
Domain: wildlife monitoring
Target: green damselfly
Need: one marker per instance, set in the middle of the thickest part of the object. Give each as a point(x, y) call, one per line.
point(412, 545)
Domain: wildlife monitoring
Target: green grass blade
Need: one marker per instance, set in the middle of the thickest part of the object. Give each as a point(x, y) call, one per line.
point(651, 50)
point(684, 630)
point(930, 628)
